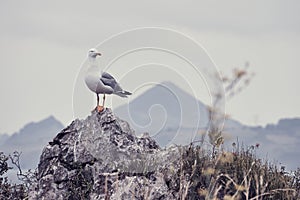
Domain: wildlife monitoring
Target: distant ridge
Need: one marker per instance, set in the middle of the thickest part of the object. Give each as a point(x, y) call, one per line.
point(279, 141)
point(170, 114)
point(31, 139)
point(3, 138)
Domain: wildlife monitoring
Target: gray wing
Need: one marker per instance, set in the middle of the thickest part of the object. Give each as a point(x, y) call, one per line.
point(110, 81)
point(107, 75)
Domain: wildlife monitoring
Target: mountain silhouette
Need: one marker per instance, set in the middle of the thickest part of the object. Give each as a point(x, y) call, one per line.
point(31, 139)
point(171, 116)
point(167, 113)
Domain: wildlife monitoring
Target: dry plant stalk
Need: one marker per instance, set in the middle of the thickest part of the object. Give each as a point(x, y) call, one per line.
point(233, 85)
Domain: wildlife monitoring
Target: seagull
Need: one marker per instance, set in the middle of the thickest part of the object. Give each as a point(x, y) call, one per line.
point(102, 83)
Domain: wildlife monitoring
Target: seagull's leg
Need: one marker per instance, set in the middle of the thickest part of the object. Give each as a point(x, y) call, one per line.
point(103, 99)
point(97, 100)
point(98, 108)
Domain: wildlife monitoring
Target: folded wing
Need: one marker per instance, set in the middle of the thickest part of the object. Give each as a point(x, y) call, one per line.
point(110, 81)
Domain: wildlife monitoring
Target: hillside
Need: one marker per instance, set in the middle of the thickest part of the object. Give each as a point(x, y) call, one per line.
point(30, 140)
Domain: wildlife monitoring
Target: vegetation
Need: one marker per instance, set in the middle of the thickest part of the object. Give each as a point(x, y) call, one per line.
point(9, 190)
point(233, 85)
point(235, 174)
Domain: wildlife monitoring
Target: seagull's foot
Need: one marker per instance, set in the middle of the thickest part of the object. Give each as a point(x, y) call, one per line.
point(99, 108)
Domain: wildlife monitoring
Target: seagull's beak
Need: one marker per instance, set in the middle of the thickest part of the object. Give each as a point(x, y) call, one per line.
point(98, 54)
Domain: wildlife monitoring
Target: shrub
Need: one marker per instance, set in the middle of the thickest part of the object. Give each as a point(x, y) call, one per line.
point(234, 175)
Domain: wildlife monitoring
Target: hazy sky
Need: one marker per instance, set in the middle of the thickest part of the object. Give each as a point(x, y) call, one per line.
point(43, 45)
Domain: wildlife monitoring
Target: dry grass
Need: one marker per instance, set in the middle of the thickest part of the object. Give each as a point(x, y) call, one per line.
point(234, 175)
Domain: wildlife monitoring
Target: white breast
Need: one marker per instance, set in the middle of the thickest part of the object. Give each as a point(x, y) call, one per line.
point(95, 84)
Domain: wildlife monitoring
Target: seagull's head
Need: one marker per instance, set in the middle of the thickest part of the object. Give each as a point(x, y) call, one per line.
point(93, 53)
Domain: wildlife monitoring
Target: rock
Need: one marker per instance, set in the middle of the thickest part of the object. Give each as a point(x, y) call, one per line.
point(100, 157)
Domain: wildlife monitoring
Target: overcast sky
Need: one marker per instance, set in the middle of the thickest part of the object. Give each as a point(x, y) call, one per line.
point(43, 45)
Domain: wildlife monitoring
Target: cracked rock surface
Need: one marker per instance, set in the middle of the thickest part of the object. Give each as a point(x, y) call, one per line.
point(100, 157)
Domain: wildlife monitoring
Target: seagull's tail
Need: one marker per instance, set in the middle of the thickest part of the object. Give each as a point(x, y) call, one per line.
point(123, 93)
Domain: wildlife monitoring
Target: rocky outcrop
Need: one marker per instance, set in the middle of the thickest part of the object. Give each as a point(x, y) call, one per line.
point(101, 158)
